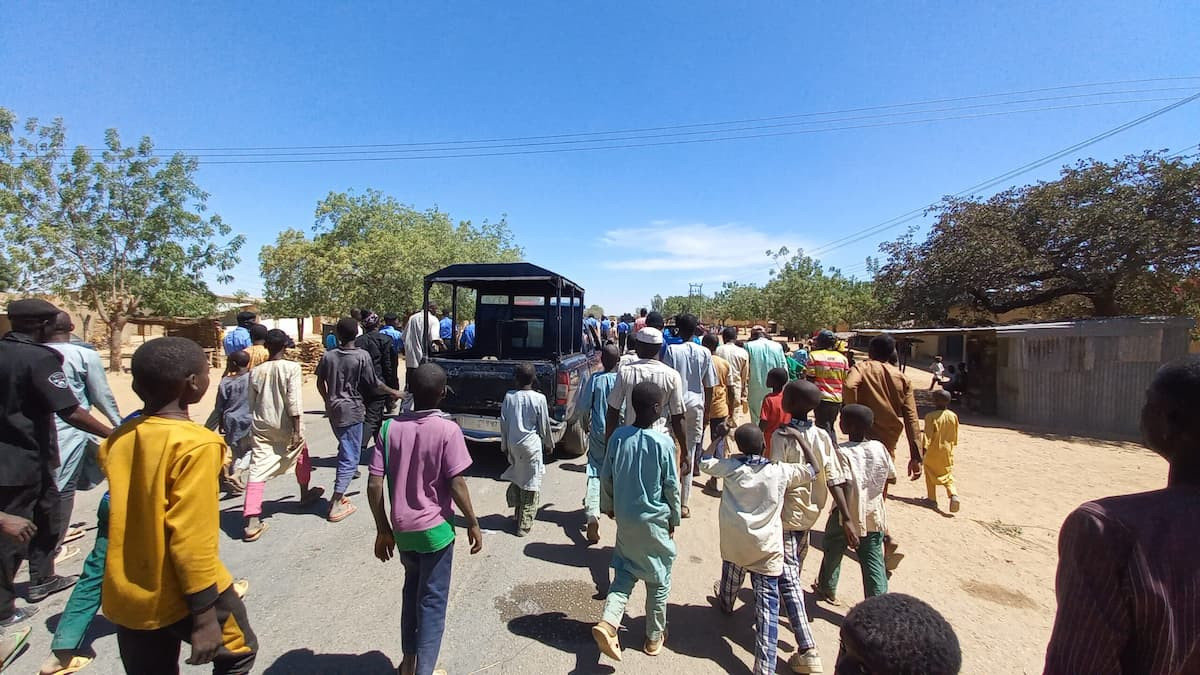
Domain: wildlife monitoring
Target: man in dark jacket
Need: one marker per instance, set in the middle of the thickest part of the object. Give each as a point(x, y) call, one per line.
point(380, 348)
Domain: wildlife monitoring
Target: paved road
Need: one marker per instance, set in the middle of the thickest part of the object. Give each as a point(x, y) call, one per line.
point(320, 602)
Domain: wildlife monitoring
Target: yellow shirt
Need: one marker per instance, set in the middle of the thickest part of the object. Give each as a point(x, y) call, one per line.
point(164, 522)
point(258, 355)
point(722, 393)
point(941, 435)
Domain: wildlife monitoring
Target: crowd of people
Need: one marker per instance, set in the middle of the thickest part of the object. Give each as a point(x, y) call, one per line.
point(664, 409)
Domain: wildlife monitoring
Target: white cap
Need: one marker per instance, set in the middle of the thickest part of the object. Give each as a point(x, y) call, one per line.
point(651, 336)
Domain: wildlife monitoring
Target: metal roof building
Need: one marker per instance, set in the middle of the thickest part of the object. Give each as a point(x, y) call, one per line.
point(1074, 377)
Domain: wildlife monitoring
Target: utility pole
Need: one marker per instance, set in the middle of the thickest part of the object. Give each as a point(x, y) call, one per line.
point(696, 298)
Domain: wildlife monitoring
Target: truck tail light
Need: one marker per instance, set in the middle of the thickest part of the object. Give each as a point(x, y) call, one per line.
point(560, 391)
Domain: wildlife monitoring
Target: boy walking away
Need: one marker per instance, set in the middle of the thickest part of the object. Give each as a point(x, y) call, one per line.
point(639, 487)
point(941, 436)
point(524, 437)
point(939, 371)
point(379, 347)
point(739, 368)
point(695, 368)
point(231, 418)
point(724, 403)
point(343, 374)
point(420, 462)
point(771, 415)
point(163, 582)
point(752, 497)
point(278, 445)
point(591, 410)
point(828, 369)
point(1127, 578)
point(257, 350)
point(798, 442)
point(867, 468)
point(897, 633)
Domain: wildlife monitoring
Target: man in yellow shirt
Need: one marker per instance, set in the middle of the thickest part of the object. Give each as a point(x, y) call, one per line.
point(164, 583)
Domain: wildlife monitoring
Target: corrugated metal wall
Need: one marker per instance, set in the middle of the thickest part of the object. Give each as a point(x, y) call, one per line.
point(1078, 383)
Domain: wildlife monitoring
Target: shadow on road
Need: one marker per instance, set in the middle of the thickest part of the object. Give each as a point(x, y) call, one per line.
point(305, 661)
point(556, 629)
point(596, 560)
point(486, 461)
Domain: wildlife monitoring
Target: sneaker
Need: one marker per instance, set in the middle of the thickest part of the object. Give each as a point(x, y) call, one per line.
point(806, 662)
point(19, 614)
point(606, 640)
point(51, 586)
point(955, 505)
point(593, 531)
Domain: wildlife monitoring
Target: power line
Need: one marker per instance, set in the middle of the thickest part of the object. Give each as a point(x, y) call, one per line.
point(706, 124)
point(911, 215)
point(709, 139)
point(1184, 151)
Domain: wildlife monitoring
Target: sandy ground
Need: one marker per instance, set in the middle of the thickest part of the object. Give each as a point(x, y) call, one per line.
point(321, 604)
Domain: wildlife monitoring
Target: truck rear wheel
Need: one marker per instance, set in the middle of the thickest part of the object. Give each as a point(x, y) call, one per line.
point(573, 442)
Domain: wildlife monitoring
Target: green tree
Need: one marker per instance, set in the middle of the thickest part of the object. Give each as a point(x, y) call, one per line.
point(126, 232)
point(802, 297)
point(596, 311)
point(656, 303)
point(674, 305)
point(1104, 238)
point(737, 302)
point(370, 250)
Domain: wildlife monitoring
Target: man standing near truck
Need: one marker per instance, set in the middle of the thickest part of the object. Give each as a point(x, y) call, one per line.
point(420, 324)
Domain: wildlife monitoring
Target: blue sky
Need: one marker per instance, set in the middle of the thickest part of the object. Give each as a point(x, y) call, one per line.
point(625, 223)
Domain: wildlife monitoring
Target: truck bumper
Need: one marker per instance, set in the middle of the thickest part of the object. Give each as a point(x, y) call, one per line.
point(487, 429)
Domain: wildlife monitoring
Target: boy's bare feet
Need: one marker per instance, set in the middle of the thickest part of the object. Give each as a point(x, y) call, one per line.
point(955, 505)
point(593, 531)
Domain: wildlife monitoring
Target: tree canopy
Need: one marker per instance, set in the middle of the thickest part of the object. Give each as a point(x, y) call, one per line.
point(123, 230)
point(596, 311)
point(370, 250)
point(1105, 238)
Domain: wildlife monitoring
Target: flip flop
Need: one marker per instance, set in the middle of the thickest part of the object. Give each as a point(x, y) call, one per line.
point(253, 535)
point(312, 496)
point(73, 534)
point(241, 587)
point(11, 646)
point(345, 513)
point(66, 553)
point(76, 664)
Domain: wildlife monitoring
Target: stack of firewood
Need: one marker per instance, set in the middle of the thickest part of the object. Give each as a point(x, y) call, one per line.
point(307, 354)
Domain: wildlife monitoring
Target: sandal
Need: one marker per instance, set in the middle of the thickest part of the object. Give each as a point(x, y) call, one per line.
point(312, 496)
point(241, 587)
point(12, 645)
point(76, 664)
point(256, 533)
point(73, 534)
point(66, 553)
point(337, 516)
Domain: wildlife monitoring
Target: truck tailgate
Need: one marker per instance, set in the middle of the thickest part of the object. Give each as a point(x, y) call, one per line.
point(477, 388)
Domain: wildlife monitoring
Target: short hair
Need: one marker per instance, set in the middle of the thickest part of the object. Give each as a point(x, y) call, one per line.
point(881, 347)
point(347, 329)
point(160, 365)
point(859, 415)
point(427, 381)
point(258, 332)
point(749, 439)
point(710, 341)
point(276, 341)
point(777, 375)
point(645, 394)
point(906, 634)
point(642, 311)
point(729, 333)
point(685, 325)
point(942, 396)
point(526, 373)
point(240, 358)
point(390, 317)
point(655, 320)
point(609, 356)
point(62, 323)
point(246, 317)
point(1177, 389)
point(803, 389)
point(646, 350)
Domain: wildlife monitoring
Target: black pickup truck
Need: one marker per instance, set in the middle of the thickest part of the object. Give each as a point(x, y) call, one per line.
point(523, 313)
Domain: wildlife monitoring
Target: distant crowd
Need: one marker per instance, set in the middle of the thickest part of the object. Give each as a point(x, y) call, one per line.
point(665, 407)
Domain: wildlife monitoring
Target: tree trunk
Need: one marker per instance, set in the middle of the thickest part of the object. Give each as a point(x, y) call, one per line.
point(116, 327)
point(1104, 303)
point(300, 329)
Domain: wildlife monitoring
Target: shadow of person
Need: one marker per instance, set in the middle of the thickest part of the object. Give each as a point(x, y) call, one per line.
point(557, 630)
point(571, 522)
point(923, 503)
point(486, 461)
point(596, 560)
point(574, 468)
point(304, 661)
point(98, 628)
point(493, 521)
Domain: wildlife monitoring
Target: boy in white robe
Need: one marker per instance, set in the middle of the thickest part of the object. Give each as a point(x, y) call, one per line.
point(524, 437)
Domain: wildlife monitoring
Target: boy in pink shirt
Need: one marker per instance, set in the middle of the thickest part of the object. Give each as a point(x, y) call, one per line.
point(420, 465)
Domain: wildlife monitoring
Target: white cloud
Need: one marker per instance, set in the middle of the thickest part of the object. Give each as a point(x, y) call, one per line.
point(730, 249)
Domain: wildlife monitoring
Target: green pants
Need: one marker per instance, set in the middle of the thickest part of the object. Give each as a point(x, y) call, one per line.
point(525, 503)
point(85, 597)
point(870, 558)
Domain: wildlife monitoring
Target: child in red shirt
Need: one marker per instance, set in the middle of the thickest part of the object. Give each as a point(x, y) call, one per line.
point(772, 415)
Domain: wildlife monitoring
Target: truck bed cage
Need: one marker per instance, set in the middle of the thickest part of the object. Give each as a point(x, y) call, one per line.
point(514, 277)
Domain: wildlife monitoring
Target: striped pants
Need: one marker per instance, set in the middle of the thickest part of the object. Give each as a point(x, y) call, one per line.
point(766, 611)
point(795, 548)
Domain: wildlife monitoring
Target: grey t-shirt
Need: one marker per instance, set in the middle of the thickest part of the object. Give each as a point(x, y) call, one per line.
point(348, 373)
